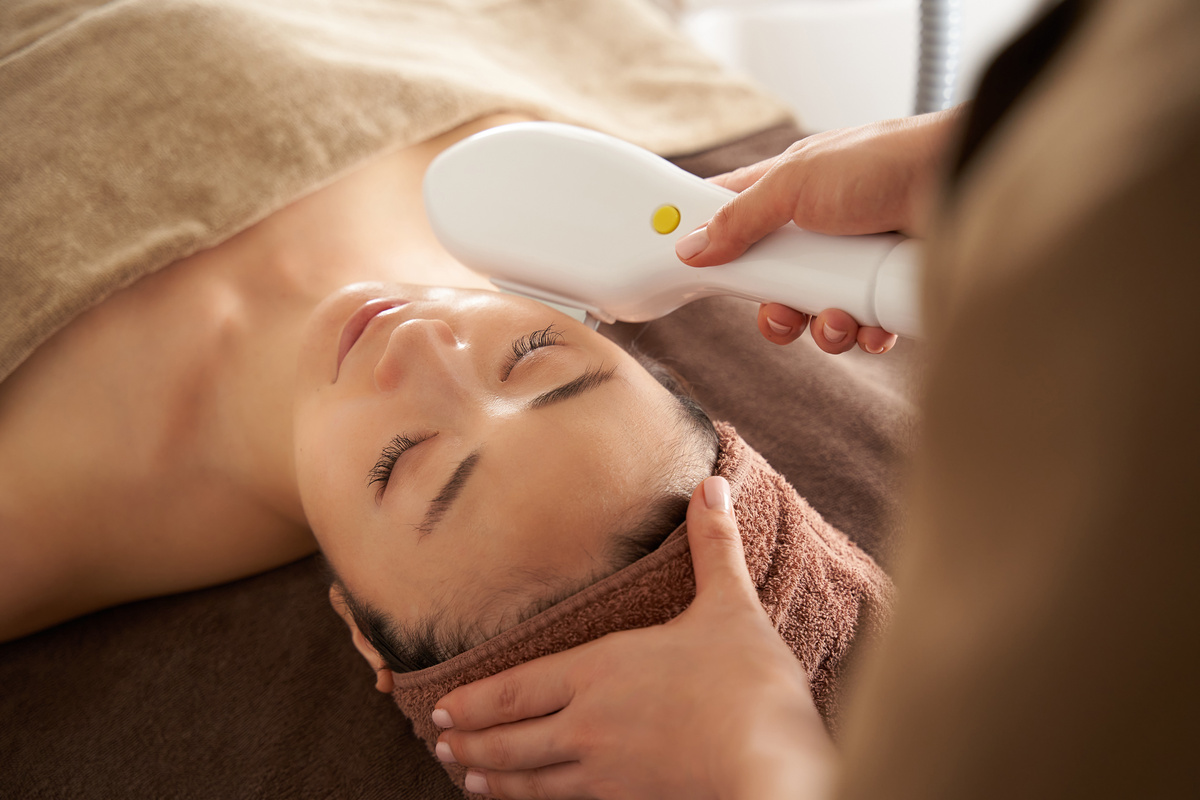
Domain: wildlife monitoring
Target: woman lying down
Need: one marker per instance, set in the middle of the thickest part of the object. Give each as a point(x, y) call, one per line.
point(463, 459)
point(488, 479)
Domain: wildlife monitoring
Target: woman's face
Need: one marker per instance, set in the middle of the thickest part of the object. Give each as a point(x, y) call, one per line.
point(457, 451)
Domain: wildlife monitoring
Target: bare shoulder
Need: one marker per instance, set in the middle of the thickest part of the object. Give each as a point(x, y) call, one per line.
point(107, 491)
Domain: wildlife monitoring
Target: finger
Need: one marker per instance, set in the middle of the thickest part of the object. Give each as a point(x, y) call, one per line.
point(741, 179)
point(766, 205)
point(532, 689)
point(717, 555)
point(529, 744)
point(558, 781)
point(780, 324)
point(876, 340)
point(834, 331)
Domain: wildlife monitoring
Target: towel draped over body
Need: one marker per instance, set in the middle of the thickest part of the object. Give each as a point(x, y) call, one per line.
point(822, 593)
point(134, 133)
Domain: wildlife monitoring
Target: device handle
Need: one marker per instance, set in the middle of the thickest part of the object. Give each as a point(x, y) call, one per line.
point(898, 290)
point(874, 278)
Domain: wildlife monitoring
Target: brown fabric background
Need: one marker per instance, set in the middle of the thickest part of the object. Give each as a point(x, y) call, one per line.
point(252, 689)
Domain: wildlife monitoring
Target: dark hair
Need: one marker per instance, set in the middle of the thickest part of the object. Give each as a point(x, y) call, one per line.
point(432, 640)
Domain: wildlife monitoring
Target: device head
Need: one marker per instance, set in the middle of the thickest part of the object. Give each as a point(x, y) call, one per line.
point(570, 216)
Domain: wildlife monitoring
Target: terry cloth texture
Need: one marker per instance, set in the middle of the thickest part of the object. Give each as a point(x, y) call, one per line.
point(136, 132)
point(822, 593)
point(252, 689)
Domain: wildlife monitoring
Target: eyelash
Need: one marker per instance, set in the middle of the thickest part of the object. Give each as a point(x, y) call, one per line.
point(547, 337)
point(381, 473)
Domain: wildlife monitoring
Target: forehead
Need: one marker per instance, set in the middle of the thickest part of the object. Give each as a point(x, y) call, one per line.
point(567, 468)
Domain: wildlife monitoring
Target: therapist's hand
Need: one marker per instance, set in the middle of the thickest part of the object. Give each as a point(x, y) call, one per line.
point(870, 179)
point(711, 704)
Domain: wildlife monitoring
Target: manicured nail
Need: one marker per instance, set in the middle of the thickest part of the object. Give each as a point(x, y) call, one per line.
point(444, 753)
point(475, 782)
point(716, 493)
point(692, 245)
point(441, 718)
point(833, 335)
point(779, 328)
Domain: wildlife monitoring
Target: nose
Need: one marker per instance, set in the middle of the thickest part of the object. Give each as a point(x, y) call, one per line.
point(426, 350)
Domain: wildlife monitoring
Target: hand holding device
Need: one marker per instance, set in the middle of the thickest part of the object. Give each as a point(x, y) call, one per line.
point(582, 219)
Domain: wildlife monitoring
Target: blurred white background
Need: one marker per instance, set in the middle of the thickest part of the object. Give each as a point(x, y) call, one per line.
point(842, 62)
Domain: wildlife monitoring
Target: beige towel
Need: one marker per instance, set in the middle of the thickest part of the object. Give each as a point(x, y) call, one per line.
point(820, 590)
point(136, 132)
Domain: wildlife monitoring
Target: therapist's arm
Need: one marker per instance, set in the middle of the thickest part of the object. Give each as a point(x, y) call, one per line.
point(871, 179)
point(710, 705)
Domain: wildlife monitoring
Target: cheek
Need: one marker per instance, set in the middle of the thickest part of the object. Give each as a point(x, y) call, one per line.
point(332, 451)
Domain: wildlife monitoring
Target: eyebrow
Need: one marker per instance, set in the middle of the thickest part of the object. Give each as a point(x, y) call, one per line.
point(584, 383)
point(449, 492)
point(440, 504)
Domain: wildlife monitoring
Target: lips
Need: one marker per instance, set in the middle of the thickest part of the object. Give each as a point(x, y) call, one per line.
point(352, 331)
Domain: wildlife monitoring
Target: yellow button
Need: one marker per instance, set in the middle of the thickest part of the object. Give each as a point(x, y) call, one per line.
point(665, 219)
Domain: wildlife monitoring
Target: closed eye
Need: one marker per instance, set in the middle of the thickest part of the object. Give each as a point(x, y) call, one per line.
point(381, 473)
point(523, 346)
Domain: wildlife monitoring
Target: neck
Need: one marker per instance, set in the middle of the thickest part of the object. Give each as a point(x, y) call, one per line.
point(370, 226)
point(247, 422)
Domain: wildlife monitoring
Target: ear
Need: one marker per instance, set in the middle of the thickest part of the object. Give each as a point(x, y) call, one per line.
point(383, 675)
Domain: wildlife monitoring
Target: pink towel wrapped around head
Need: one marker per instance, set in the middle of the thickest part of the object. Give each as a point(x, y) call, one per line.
point(819, 589)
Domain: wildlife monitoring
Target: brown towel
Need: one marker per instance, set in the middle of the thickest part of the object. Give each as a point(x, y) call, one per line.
point(819, 589)
point(133, 134)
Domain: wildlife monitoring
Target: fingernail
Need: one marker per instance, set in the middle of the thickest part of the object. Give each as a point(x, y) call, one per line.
point(716, 493)
point(441, 718)
point(779, 327)
point(693, 244)
point(444, 753)
point(475, 782)
point(833, 335)
point(872, 350)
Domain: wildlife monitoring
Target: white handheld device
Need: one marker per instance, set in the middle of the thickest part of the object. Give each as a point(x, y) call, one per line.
point(578, 218)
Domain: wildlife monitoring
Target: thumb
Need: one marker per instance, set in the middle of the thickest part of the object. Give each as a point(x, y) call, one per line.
point(765, 206)
point(717, 555)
